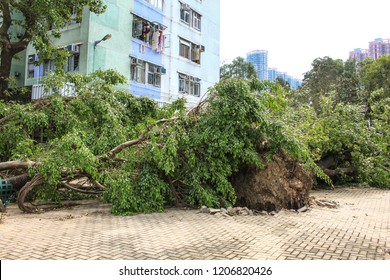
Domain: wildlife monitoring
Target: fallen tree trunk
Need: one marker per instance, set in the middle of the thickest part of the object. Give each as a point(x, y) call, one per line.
point(9, 165)
point(19, 181)
point(339, 171)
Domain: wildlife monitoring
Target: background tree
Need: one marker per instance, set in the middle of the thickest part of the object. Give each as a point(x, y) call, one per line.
point(375, 74)
point(348, 84)
point(283, 83)
point(28, 21)
point(239, 68)
point(342, 114)
point(322, 78)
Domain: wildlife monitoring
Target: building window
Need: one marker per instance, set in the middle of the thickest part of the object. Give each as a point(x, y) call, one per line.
point(185, 49)
point(142, 29)
point(189, 85)
point(145, 72)
point(150, 33)
point(185, 13)
point(31, 65)
point(48, 66)
point(196, 20)
point(72, 64)
point(189, 16)
point(157, 3)
point(190, 50)
point(75, 16)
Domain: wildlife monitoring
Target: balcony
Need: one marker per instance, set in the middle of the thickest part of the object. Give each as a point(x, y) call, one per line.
point(42, 91)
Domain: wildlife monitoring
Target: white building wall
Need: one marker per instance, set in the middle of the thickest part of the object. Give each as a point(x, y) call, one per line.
point(208, 36)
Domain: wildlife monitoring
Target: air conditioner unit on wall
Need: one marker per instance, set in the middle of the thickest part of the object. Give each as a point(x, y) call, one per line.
point(136, 61)
point(73, 48)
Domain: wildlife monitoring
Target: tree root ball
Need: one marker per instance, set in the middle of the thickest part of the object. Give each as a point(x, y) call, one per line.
point(283, 184)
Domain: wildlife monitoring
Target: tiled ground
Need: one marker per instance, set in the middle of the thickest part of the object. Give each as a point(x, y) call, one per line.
point(358, 229)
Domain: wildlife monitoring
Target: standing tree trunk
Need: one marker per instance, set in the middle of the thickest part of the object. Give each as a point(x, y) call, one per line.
point(5, 71)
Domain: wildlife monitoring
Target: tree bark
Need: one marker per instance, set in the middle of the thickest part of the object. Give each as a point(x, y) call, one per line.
point(338, 171)
point(5, 71)
point(19, 181)
point(6, 57)
point(8, 48)
point(137, 141)
point(36, 180)
point(16, 164)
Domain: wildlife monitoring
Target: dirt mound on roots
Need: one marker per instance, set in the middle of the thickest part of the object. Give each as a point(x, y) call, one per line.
point(283, 184)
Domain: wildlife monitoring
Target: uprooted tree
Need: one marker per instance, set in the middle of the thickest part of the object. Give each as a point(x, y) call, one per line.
point(142, 157)
point(248, 143)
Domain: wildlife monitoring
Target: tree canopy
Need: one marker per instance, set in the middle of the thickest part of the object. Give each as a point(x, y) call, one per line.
point(238, 68)
point(141, 157)
point(346, 113)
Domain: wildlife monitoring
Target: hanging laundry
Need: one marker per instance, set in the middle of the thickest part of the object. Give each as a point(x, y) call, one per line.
point(155, 40)
point(196, 54)
point(160, 48)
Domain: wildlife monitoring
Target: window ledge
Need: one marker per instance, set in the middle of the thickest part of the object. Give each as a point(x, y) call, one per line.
point(142, 2)
point(135, 40)
point(190, 61)
point(146, 86)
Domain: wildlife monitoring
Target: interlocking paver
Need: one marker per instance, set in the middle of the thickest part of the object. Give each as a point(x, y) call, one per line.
point(358, 229)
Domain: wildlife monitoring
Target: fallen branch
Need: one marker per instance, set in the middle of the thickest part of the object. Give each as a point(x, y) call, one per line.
point(5, 119)
point(338, 171)
point(139, 140)
point(125, 145)
point(113, 152)
point(16, 164)
point(69, 186)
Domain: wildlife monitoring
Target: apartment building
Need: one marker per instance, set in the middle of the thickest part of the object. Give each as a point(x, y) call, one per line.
point(376, 49)
point(167, 49)
point(358, 54)
point(259, 59)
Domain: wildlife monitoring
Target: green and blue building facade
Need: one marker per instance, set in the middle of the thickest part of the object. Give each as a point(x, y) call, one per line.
point(167, 49)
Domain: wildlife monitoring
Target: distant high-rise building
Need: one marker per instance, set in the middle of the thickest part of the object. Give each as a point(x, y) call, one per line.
point(281, 75)
point(272, 74)
point(259, 58)
point(358, 54)
point(379, 47)
point(376, 49)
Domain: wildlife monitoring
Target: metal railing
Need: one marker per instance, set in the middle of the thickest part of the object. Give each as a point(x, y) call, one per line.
point(42, 91)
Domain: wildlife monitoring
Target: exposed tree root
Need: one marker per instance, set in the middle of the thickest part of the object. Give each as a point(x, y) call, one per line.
point(283, 184)
point(35, 181)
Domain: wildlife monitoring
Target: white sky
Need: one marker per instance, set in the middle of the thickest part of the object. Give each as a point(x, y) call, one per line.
point(295, 32)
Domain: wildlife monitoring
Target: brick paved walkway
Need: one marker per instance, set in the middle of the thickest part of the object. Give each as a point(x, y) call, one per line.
point(358, 229)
